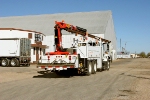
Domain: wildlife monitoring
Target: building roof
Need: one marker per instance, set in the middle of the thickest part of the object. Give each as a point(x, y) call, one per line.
point(20, 30)
point(94, 22)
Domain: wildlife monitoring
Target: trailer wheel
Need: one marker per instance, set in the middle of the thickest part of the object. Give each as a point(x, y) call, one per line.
point(14, 62)
point(89, 68)
point(0, 62)
point(18, 63)
point(94, 67)
point(99, 70)
point(5, 62)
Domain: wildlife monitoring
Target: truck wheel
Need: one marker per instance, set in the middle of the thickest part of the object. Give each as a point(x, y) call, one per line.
point(14, 62)
point(5, 62)
point(107, 65)
point(94, 67)
point(110, 59)
point(89, 69)
point(28, 65)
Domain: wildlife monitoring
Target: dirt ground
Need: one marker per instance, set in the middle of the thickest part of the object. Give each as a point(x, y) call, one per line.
point(127, 79)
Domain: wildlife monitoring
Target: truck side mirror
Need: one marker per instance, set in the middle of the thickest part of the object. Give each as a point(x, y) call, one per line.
point(107, 47)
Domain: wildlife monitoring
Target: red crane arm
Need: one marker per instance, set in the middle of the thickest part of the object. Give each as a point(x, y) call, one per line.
point(70, 28)
point(64, 26)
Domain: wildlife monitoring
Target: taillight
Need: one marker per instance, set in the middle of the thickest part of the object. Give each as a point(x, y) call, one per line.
point(69, 57)
point(48, 57)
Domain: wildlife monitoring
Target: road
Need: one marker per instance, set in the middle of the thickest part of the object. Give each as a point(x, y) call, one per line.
point(127, 79)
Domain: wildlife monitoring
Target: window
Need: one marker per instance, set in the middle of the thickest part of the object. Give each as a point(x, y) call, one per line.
point(42, 38)
point(94, 43)
point(98, 44)
point(30, 35)
point(38, 37)
point(90, 43)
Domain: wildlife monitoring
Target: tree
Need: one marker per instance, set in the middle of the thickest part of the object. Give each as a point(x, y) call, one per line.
point(148, 54)
point(142, 54)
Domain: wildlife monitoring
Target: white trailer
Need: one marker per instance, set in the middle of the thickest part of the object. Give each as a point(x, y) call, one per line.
point(15, 52)
point(85, 55)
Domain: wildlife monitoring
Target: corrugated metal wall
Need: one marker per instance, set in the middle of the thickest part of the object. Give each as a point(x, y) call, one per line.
point(110, 35)
point(96, 22)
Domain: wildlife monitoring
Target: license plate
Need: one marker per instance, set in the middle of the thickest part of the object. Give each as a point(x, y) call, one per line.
point(74, 57)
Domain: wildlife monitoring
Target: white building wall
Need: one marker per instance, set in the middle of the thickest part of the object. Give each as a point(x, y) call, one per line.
point(133, 55)
point(123, 56)
point(13, 34)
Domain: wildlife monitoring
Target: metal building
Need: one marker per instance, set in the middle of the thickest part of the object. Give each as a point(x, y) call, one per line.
point(123, 55)
point(99, 23)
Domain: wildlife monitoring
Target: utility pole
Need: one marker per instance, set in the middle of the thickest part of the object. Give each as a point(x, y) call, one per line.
point(120, 44)
point(125, 46)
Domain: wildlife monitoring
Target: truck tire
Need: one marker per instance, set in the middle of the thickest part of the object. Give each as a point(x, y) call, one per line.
point(5, 62)
point(94, 66)
point(111, 59)
point(99, 70)
point(18, 63)
point(28, 65)
point(89, 68)
point(14, 62)
point(107, 65)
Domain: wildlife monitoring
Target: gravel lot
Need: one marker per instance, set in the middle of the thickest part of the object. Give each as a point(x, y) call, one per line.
point(127, 79)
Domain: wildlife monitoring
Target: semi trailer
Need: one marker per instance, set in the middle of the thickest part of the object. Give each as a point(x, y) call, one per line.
point(15, 52)
point(86, 55)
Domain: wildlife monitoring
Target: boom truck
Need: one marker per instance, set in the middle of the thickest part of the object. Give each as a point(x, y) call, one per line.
point(86, 55)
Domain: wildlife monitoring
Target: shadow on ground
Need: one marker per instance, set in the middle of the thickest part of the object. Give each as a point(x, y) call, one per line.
point(62, 74)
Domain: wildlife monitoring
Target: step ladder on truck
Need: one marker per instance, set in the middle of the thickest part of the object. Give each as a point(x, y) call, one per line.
point(86, 55)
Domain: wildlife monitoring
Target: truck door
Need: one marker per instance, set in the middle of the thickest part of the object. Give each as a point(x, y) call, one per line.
point(82, 50)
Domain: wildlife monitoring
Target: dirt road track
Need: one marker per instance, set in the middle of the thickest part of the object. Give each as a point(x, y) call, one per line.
point(127, 79)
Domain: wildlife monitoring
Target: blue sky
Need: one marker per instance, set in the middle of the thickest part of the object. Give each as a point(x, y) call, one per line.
point(131, 17)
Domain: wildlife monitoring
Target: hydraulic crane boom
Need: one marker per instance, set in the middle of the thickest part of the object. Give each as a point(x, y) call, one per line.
point(70, 28)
